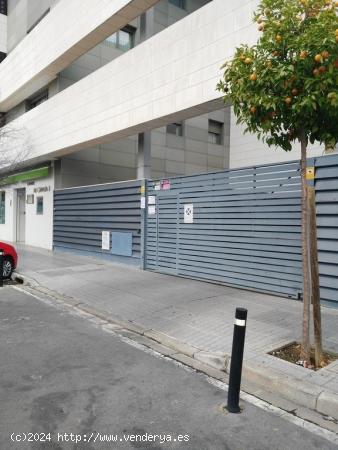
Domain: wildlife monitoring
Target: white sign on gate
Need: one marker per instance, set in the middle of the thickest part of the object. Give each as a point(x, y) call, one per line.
point(105, 240)
point(189, 213)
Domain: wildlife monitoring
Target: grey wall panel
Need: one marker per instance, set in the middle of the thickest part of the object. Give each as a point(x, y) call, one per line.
point(326, 185)
point(246, 229)
point(81, 214)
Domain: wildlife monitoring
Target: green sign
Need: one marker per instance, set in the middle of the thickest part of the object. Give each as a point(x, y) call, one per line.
point(33, 174)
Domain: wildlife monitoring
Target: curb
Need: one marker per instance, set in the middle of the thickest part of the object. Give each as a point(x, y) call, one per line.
point(216, 365)
point(23, 279)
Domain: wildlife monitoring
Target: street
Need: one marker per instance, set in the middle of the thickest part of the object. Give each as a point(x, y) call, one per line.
point(64, 379)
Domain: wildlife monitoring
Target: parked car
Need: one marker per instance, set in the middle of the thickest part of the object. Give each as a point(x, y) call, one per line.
point(10, 259)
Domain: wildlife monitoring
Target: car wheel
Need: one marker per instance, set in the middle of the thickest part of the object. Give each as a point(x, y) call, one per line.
point(8, 267)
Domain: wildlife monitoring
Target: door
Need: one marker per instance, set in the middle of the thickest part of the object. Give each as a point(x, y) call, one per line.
point(21, 215)
point(161, 239)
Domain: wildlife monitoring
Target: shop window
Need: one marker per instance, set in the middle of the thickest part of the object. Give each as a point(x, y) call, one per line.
point(39, 206)
point(178, 3)
point(123, 39)
point(175, 128)
point(215, 132)
point(2, 207)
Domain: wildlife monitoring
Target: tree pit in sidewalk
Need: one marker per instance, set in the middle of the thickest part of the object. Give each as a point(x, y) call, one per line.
point(291, 353)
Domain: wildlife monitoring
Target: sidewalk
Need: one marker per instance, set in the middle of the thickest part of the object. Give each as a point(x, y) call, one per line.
point(195, 316)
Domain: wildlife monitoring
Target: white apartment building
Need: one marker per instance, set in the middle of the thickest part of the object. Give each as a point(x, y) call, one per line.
point(115, 90)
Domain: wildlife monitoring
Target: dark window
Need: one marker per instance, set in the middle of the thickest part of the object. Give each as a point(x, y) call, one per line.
point(215, 132)
point(175, 128)
point(123, 39)
point(3, 7)
point(2, 56)
point(2, 119)
point(37, 100)
point(2, 207)
point(38, 21)
point(178, 3)
point(39, 205)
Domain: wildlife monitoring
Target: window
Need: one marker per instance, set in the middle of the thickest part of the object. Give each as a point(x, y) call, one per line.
point(2, 207)
point(39, 205)
point(3, 7)
point(37, 100)
point(215, 132)
point(175, 128)
point(178, 3)
point(2, 119)
point(123, 39)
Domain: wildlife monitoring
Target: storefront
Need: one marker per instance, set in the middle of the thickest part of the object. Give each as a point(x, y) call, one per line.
point(26, 207)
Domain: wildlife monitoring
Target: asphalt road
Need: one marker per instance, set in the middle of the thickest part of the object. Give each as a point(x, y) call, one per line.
point(60, 374)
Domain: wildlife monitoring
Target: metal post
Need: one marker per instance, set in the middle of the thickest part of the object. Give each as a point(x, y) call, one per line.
point(1, 268)
point(237, 360)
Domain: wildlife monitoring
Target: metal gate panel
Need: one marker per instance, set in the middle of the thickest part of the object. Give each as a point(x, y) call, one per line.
point(82, 213)
point(246, 229)
point(162, 235)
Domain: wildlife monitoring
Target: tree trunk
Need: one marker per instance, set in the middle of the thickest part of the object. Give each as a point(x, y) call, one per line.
point(305, 348)
point(315, 293)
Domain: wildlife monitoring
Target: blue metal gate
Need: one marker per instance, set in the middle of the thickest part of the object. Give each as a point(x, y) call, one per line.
point(244, 228)
point(84, 215)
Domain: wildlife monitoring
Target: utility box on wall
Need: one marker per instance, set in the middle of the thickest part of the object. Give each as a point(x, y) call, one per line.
point(122, 243)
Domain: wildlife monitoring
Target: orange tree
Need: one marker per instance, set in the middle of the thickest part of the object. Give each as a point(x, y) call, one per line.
point(285, 89)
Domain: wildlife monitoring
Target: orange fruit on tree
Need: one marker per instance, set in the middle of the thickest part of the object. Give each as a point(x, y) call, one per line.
point(294, 91)
point(261, 27)
point(322, 69)
point(315, 72)
point(248, 60)
point(253, 76)
point(318, 58)
point(325, 54)
point(288, 100)
point(336, 63)
point(303, 54)
point(278, 38)
point(253, 110)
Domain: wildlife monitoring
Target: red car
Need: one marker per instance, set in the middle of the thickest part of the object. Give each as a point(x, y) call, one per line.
point(10, 259)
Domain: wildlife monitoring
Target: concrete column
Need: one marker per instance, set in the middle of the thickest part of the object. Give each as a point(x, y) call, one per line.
point(144, 155)
point(144, 139)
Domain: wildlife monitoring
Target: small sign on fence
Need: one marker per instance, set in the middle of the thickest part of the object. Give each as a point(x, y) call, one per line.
point(105, 240)
point(189, 213)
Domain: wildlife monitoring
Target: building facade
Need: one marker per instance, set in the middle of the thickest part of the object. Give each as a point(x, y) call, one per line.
point(116, 90)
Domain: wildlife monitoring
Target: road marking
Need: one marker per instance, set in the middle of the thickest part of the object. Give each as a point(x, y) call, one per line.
point(257, 402)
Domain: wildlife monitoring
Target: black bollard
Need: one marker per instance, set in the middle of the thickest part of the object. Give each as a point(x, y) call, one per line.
point(237, 360)
point(1, 268)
